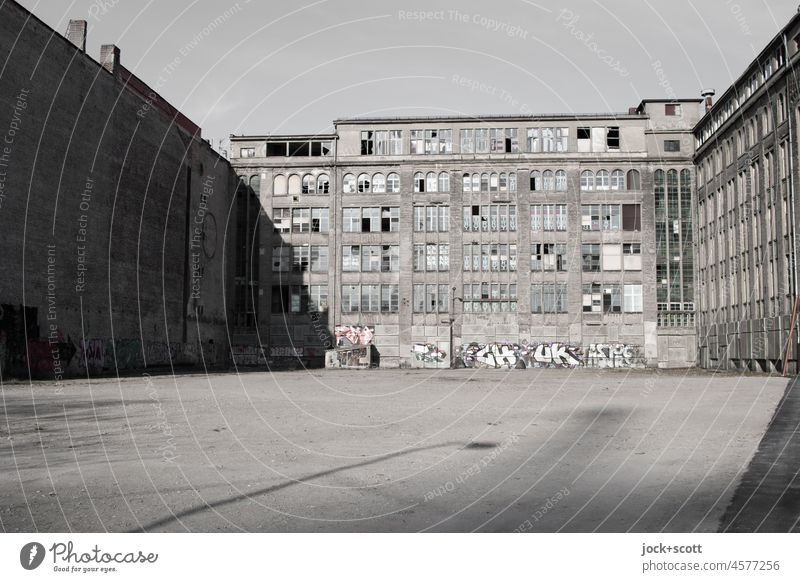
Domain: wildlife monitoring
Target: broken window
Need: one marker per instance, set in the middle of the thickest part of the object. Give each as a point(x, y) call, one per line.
point(367, 143)
point(282, 219)
point(323, 184)
point(300, 257)
point(612, 138)
point(363, 183)
point(632, 256)
point(672, 109)
point(584, 139)
point(319, 220)
point(419, 182)
point(536, 177)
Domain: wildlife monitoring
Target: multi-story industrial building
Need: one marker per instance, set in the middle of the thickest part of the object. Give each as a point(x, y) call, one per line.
point(545, 240)
point(747, 164)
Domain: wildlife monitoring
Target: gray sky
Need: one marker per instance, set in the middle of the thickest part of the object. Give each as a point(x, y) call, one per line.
point(282, 67)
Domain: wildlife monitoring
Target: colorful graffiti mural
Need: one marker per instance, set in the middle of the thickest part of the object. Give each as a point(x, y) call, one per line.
point(353, 358)
point(428, 353)
point(549, 355)
point(353, 335)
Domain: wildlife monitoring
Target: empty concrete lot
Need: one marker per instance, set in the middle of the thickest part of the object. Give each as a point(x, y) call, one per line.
point(383, 450)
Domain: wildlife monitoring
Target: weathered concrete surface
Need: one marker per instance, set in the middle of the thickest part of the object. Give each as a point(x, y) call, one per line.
point(404, 450)
point(768, 498)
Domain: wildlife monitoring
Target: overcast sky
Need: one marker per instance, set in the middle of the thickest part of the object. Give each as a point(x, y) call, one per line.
point(270, 66)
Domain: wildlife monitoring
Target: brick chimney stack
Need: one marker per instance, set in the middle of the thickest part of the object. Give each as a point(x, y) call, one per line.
point(76, 34)
point(109, 58)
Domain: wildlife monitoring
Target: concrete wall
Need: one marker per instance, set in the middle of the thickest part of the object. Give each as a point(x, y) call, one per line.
point(104, 185)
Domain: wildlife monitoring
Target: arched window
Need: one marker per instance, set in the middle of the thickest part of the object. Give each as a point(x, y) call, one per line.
point(308, 184)
point(430, 182)
point(548, 180)
point(536, 181)
point(419, 182)
point(379, 183)
point(444, 182)
point(393, 183)
point(561, 181)
point(349, 184)
point(601, 180)
point(512, 181)
point(255, 184)
point(363, 183)
point(634, 180)
point(617, 180)
point(466, 185)
point(484, 183)
point(323, 184)
point(503, 182)
point(280, 186)
point(493, 182)
point(294, 184)
point(476, 183)
point(587, 180)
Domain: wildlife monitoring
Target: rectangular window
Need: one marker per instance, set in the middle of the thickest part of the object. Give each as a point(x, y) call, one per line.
point(370, 298)
point(612, 138)
point(632, 256)
point(590, 254)
point(317, 298)
point(612, 257)
point(584, 139)
point(351, 298)
point(282, 219)
point(319, 259)
point(417, 141)
point(319, 220)
point(633, 298)
point(549, 298)
point(351, 258)
point(281, 259)
point(631, 217)
point(672, 145)
point(300, 257)
point(390, 298)
point(367, 143)
point(672, 109)
point(351, 219)
point(247, 152)
point(467, 141)
point(599, 139)
point(534, 143)
point(301, 220)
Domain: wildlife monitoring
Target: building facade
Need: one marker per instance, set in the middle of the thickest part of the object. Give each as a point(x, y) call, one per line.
point(518, 241)
point(113, 215)
point(747, 164)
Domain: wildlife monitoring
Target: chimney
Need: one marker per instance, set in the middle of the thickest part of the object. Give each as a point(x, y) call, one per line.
point(76, 34)
point(708, 95)
point(109, 58)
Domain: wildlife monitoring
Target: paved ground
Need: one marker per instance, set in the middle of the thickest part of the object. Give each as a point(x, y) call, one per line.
point(768, 497)
point(403, 450)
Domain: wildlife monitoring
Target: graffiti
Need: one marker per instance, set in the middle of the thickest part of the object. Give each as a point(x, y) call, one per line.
point(92, 354)
point(428, 353)
point(523, 355)
point(160, 353)
point(549, 355)
point(285, 352)
point(352, 358)
point(247, 356)
point(613, 356)
point(353, 335)
point(123, 354)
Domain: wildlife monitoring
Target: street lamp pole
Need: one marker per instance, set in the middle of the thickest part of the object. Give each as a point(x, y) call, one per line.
point(452, 320)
